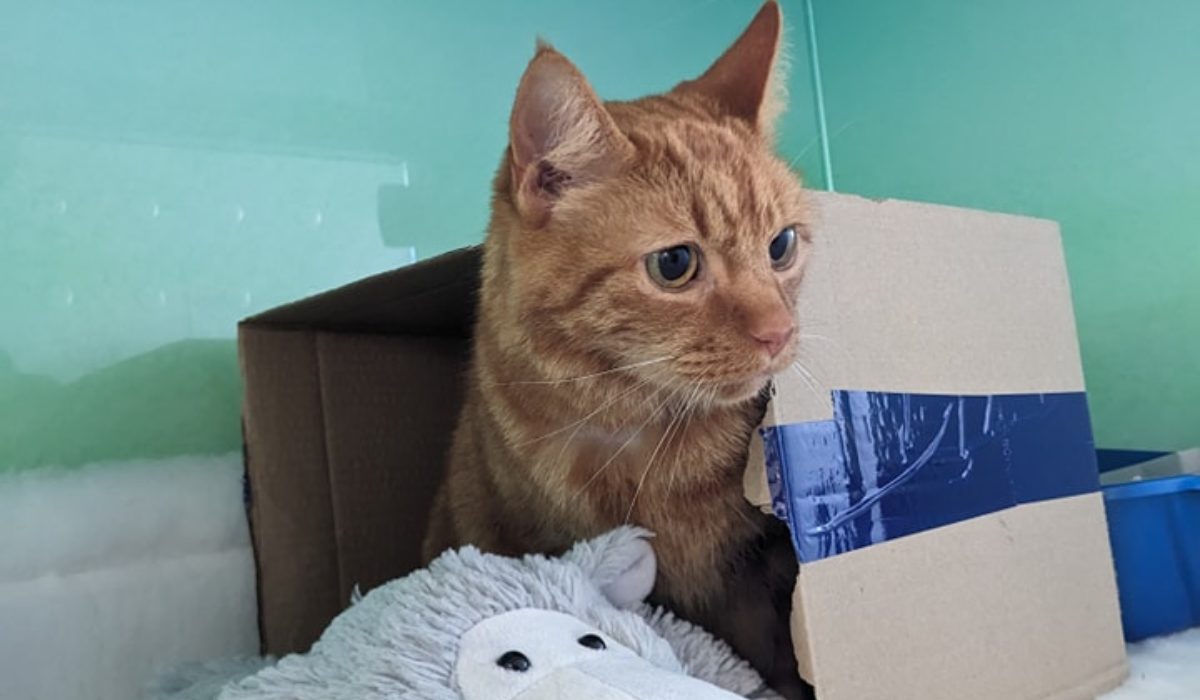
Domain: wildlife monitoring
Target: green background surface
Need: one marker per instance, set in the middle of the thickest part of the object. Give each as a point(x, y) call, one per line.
point(168, 168)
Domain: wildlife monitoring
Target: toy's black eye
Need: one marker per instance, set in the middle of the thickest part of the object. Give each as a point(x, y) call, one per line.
point(592, 641)
point(514, 661)
point(783, 248)
point(673, 267)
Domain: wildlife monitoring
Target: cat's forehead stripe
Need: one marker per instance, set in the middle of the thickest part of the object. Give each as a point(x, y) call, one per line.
point(732, 198)
point(715, 167)
point(700, 217)
point(717, 163)
point(718, 189)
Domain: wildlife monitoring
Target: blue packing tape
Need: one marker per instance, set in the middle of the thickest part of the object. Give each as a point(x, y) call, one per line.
point(890, 465)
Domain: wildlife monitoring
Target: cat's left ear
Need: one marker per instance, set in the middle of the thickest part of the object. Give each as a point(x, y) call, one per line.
point(748, 81)
point(560, 136)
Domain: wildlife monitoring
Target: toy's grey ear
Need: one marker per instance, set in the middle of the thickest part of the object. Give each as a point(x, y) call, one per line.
point(621, 563)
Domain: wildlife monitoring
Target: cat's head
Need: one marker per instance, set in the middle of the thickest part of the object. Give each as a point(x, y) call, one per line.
point(664, 232)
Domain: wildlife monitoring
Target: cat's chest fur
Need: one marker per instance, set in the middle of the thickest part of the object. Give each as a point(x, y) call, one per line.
point(681, 479)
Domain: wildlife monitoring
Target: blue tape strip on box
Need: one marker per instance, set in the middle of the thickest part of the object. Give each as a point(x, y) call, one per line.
point(890, 465)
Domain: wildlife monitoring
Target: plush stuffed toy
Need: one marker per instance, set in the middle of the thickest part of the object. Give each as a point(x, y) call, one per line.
point(477, 626)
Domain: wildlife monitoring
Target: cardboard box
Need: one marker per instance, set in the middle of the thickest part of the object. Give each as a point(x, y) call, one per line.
point(1018, 601)
point(350, 397)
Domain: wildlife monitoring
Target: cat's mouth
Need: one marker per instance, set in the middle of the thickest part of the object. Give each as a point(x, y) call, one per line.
point(728, 386)
point(739, 389)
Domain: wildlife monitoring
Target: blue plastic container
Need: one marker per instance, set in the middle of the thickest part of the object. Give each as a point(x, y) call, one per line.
point(1154, 526)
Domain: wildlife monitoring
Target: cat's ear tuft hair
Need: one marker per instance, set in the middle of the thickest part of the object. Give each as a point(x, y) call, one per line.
point(560, 135)
point(749, 80)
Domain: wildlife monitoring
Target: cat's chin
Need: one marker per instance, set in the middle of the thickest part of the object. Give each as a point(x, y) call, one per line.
point(741, 391)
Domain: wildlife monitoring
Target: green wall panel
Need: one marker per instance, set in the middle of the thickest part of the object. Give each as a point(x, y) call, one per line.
point(1087, 112)
point(168, 168)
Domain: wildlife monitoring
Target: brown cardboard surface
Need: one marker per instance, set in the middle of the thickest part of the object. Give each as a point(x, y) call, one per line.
point(921, 298)
point(925, 298)
point(342, 467)
point(390, 407)
point(910, 297)
point(351, 396)
point(1016, 604)
point(291, 516)
point(350, 400)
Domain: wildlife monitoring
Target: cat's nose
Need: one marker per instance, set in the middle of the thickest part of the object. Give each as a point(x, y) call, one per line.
point(774, 332)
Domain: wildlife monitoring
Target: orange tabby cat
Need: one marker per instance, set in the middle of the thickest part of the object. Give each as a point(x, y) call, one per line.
point(638, 287)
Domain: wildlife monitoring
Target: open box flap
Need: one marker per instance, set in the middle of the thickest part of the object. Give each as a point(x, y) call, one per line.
point(924, 299)
point(431, 297)
point(351, 397)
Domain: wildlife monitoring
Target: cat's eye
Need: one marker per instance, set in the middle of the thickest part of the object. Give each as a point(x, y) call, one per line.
point(673, 267)
point(783, 248)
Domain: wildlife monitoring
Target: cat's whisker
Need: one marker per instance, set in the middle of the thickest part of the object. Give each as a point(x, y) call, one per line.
point(809, 146)
point(815, 366)
point(613, 457)
point(796, 159)
point(593, 375)
point(737, 508)
point(692, 403)
point(567, 443)
point(818, 336)
point(812, 322)
point(690, 410)
point(685, 413)
point(830, 341)
point(806, 375)
point(628, 441)
point(650, 463)
point(810, 368)
point(807, 378)
point(593, 414)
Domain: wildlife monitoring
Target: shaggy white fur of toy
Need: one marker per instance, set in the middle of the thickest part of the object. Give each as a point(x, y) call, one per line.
point(412, 636)
point(437, 633)
point(1160, 669)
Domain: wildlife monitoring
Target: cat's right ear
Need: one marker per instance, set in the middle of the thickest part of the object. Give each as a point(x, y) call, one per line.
point(560, 136)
